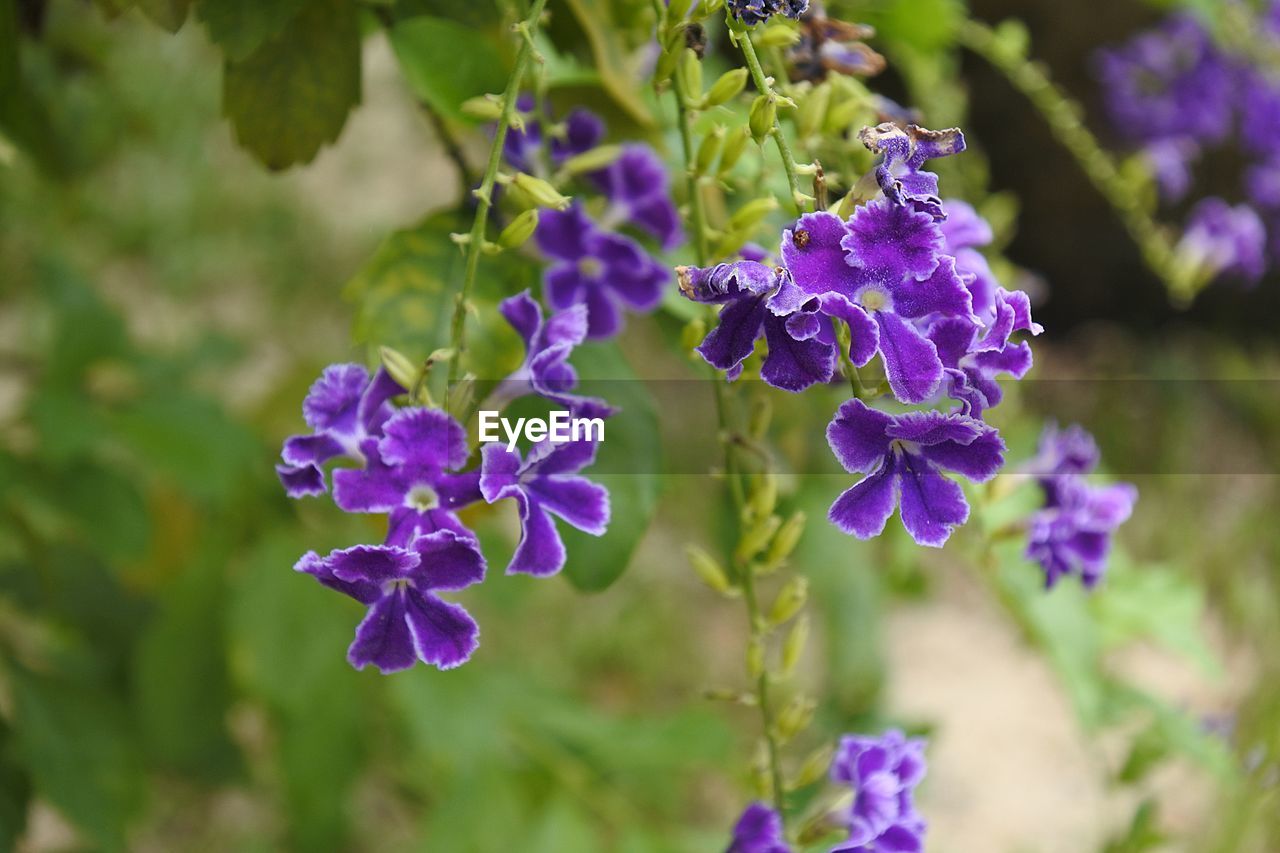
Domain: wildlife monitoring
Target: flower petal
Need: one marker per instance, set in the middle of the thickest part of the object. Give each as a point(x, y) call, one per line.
point(932, 505)
point(858, 436)
point(911, 361)
point(383, 638)
point(374, 564)
point(734, 337)
point(444, 634)
point(423, 438)
point(791, 364)
point(446, 561)
point(863, 510)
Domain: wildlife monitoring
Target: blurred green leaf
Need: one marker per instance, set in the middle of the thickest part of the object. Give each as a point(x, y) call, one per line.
point(169, 14)
point(446, 62)
point(109, 511)
point(1154, 603)
point(181, 688)
point(630, 461)
point(618, 71)
point(23, 119)
point(15, 791)
point(239, 27)
point(925, 25)
point(321, 752)
point(81, 753)
point(292, 95)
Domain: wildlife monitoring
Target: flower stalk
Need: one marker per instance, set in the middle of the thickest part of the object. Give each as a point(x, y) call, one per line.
point(765, 88)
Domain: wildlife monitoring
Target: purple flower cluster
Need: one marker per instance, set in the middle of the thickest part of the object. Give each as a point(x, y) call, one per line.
point(590, 261)
point(910, 285)
point(1071, 534)
point(409, 464)
point(752, 12)
point(1173, 93)
point(883, 773)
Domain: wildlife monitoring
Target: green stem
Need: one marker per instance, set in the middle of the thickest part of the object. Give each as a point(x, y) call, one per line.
point(762, 85)
point(1062, 116)
point(484, 195)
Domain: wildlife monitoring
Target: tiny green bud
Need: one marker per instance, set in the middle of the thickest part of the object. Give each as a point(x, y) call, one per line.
point(793, 645)
point(672, 49)
point(734, 145)
point(795, 717)
point(519, 229)
point(678, 9)
point(708, 150)
point(400, 367)
point(691, 75)
point(483, 107)
point(841, 114)
point(790, 599)
point(755, 658)
point(728, 87)
point(764, 112)
point(709, 570)
point(812, 769)
point(707, 8)
point(764, 497)
point(756, 536)
point(776, 35)
point(540, 191)
point(813, 110)
point(786, 541)
point(752, 213)
point(729, 244)
point(591, 161)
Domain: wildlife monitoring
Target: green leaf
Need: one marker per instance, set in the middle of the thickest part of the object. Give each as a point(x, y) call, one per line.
point(619, 70)
point(15, 791)
point(79, 749)
point(181, 688)
point(926, 25)
point(446, 62)
point(169, 14)
point(240, 27)
point(630, 459)
point(292, 95)
point(23, 119)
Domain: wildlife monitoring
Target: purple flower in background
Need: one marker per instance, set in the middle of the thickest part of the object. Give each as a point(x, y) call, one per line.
point(762, 300)
point(1225, 241)
point(1169, 83)
point(903, 457)
point(406, 621)
point(604, 271)
point(343, 408)
point(636, 186)
point(903, 154)
point(522, 149)
point(883, 773)
point(545, 484)
point(546, 370)
point(1170, 161)
point(1072, 533)
point(752, 12)
point(1262, 184)
point(407, 474)
point(758, 830)
point(1260, 112)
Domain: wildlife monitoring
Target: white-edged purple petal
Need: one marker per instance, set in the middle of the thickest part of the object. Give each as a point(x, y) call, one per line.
point(444, 634)
point(932, 505)
point(911, 361)
point(446, 561)
point(858, 436)
point(383, 637)
point(863, 510)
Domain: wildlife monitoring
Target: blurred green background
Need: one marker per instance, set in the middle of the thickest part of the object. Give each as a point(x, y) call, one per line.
point(167, 683)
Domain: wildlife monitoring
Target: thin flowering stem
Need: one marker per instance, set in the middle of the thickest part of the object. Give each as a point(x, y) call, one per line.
point(1062, 116)
point(484, 194)
point(762, 85)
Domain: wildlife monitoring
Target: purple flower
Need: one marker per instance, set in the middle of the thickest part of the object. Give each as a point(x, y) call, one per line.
point(758, 830)
point(343, 408)
point(883, 773)
point(879, 273)
point(407, 474)
point(762, 300)
point(1072, 534)
point(973, 356)
point(1170, 161)
point(902, 457)
point(636, 186)
point(1262, 184)
point(543, 485)
point(1169, 83)
point(604, 271)
point(1260, 112)
point(1224, 241)
point(522, 149)
point(406, 621)
point(752, 12)
point(546, 370)
point(903, 154)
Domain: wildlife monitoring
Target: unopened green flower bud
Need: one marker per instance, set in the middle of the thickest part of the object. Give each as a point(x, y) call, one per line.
point(764, 112)
point(734, 145)
point(813, 110)
point(756, 536)
point(812, 769)
point(760, 415)
point(707, 8)
point(519, 229)
point(691, 75)
point(678, 9)
point(672, 50)
point(540, 192)
point(793, 645)
point(786, 541)
point(790, 600)
point(708, 150)
point(709, 570)
point(483, 107)
point(591, 161)
point(400, 367)
point(751, 213)
point(764, 497)
point(841, 114)
point(795, 717)
point(776, 34)
point(728, 87)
